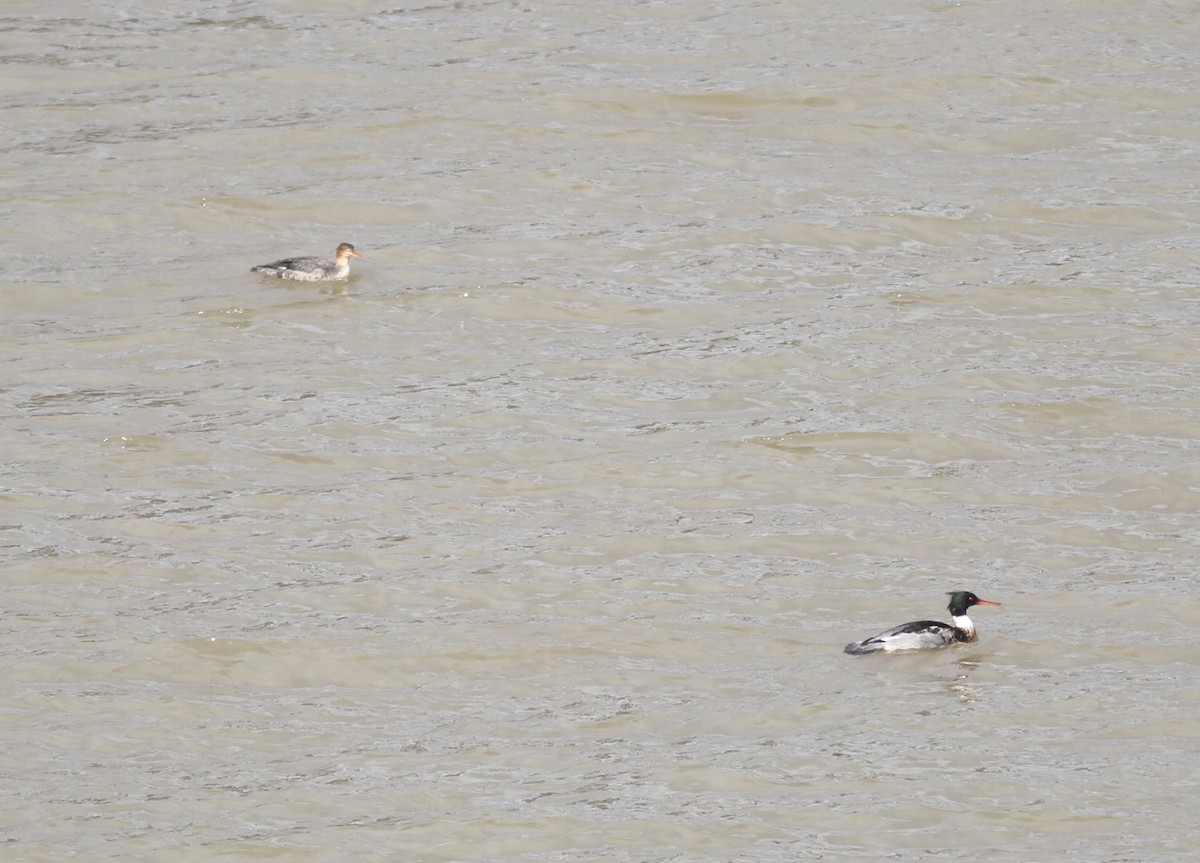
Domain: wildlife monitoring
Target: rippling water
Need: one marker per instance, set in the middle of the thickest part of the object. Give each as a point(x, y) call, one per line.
point(690, 342)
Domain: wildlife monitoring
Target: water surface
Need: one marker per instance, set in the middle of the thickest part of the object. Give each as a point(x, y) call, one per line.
point(690, 342)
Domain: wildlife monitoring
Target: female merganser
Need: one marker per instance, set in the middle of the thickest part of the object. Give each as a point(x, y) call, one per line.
point(927, 634)
point(311, 269)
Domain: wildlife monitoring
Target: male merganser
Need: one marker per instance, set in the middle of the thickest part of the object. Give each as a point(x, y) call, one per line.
point(311, 269)
point(927, 634)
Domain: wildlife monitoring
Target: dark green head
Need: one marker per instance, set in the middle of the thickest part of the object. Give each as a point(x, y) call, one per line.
point(961, 600)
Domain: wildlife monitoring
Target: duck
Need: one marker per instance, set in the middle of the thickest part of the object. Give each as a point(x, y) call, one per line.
point(311, 269)
point(926, 634)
